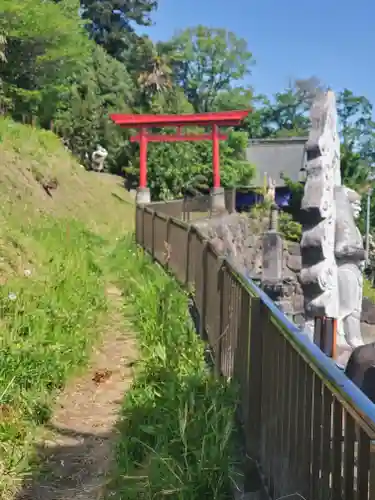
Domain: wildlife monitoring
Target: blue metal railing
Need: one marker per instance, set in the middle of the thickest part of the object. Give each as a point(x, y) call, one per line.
point(327, 367)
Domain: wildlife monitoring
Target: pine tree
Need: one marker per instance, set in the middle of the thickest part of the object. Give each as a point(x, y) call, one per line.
point(111, 23)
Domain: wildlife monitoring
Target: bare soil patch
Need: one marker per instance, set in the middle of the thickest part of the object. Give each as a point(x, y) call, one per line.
point(77, 453)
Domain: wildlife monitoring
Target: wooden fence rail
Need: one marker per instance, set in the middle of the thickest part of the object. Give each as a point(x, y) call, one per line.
point(308, 427)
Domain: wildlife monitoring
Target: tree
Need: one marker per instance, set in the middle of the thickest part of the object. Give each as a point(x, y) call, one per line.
point(235, 98)
point(287, 113)
point(358, 139)
point(357, 159)
point(156, 77)
point(45, 44)
point(111, 23)
point(47, 35)
point(284, 116)
point(83, 115)
point(3, 43)
point(206, 63)
point(151, 72)
point(357, 130)
point(355, 113)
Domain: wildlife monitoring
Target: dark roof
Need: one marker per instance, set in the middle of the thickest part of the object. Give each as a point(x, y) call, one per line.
point(274, 157)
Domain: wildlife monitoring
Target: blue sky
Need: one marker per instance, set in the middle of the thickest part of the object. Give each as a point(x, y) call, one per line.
point(333, 40)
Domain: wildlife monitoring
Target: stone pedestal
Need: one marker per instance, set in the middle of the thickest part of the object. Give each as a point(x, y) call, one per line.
point(143, 196)
point(272, 257)
point(361, 369)
point(342, 356)
point(217, 198)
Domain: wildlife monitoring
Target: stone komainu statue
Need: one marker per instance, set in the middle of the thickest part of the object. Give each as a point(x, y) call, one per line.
point(350, 258)
point(271, 190)
point(331, 245)
point(97, 159)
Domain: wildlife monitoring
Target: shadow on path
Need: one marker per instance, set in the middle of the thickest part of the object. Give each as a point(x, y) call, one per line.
point(76, 453)
point(71, 471)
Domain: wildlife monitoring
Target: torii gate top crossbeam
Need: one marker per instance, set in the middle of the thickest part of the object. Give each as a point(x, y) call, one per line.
point(221, 119)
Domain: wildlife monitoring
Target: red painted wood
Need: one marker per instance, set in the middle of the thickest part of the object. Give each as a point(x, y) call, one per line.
point(215, 156)
point(178, 137)
point(143, 139)
point(226, 118)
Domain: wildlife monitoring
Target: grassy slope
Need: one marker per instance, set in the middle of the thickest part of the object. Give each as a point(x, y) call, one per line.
point(52, 282)
point(56, 255)
point(29, 158)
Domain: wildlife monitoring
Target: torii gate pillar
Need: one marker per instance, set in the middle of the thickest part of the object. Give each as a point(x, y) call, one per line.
point(143, 192)
point(207, 120)
point(218, 195)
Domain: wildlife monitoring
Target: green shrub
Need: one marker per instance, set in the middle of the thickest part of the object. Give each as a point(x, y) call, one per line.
point(289, 228)
point(297, 190)
point(368, 290)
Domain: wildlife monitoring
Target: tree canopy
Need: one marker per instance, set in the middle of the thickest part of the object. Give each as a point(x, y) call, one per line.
point(111, 23)
point(206, 63)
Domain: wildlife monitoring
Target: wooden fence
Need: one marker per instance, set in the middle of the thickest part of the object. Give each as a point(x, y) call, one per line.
point(310, 430)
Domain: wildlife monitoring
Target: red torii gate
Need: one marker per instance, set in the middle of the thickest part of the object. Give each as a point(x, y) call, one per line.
point(145, 122)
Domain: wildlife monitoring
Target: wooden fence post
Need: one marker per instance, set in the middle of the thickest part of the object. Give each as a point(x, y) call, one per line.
point(188, 254)
point(142, 208)
point(203, 294)
point(257, 322)
point(325, 335)
point(242, 354)
point(153, 235)
point(222, 305)
point(169, 249)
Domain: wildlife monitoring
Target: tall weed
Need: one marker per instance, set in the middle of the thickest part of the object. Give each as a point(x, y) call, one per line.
point(48, 321)
point(177, 422)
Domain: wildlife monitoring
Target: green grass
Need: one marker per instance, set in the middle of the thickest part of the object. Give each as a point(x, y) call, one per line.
point(48, 323)
point(177, 424)
point(52, 281)
point(368, 290)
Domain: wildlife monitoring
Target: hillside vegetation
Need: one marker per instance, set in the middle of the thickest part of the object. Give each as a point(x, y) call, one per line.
point(53, 279)
point(66, 66)
point(61, 245)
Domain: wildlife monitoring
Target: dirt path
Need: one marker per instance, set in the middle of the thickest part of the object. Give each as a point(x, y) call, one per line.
point(77, 455)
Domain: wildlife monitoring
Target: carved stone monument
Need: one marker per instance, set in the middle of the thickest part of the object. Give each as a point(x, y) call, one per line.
point(319, 269)
point(331, 246)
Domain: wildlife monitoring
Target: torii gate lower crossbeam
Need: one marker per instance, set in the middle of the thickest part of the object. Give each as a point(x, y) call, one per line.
point(143, 138)
point(207, 120)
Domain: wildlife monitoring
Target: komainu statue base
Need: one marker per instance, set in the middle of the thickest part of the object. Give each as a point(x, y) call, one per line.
point(361, 369)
